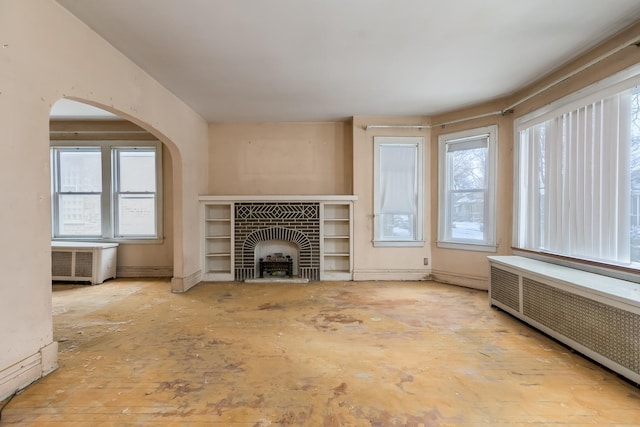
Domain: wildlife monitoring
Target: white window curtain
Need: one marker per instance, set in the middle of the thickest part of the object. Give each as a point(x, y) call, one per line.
point(574, 182)
point(398, 191)
point(398, 186)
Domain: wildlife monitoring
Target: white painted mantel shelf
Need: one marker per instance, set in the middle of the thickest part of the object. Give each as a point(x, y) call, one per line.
point(335, 224)
point(279, 198)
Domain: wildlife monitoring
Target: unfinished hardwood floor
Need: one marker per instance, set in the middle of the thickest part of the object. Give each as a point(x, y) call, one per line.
point(320, 354)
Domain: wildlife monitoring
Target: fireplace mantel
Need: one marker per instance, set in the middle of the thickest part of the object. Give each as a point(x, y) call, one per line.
point(233, 224)
point(278, 198)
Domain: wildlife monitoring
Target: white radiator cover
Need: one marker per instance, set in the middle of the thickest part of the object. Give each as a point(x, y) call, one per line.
point(596, 315)
point(83, 261)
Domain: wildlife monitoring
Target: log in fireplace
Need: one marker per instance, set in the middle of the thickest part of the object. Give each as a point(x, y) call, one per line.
point(276, 265)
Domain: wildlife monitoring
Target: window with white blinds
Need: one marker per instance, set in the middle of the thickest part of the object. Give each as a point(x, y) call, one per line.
point(578, 177)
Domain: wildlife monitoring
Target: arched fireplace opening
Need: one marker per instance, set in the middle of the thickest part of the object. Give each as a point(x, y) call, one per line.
point(280, 239)
point(277, 250)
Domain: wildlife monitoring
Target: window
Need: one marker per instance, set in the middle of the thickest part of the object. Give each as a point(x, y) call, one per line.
point(135, 191)
point(106, 191)
point(578, 172)
point(467, 163)
point(398, 191)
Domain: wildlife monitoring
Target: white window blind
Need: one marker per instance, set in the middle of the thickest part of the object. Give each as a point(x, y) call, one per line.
point(576, 174)
point(398, 189)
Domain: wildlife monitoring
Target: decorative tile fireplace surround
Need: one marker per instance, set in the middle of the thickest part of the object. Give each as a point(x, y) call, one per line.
point(295, 222)
point(318, 227)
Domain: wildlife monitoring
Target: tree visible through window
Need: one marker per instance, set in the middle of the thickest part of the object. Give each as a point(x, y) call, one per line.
point(579, 178)
point(634, 159)
point(466, 214)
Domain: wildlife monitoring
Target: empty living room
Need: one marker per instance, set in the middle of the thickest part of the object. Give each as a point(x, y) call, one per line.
point(336, 213)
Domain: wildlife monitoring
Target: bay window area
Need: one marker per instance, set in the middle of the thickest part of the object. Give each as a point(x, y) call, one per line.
point(578, 176)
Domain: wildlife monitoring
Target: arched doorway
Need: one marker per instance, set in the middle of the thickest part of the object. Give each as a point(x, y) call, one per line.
point(85, 138)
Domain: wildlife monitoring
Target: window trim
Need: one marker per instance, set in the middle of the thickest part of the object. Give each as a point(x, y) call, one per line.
point(444, 241)
point(116, 190)
point(378, 142)
point(55, 183)
point(108, 204)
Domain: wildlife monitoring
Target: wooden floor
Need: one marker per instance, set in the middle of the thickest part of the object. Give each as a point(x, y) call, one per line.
point(321, 354)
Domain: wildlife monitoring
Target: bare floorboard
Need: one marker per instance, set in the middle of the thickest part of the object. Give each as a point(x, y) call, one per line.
point(318, 354)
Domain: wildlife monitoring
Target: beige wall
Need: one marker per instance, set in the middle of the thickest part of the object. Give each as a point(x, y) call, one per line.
point(47, 54)
point(385, 263)
point(280, 158)
point(462, 267)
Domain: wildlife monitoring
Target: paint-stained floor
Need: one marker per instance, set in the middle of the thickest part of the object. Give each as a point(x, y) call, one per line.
point(321, 354)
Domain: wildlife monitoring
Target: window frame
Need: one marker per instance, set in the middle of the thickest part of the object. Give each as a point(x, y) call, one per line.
point(108, 202)
point(418, 142)
point(445, 240)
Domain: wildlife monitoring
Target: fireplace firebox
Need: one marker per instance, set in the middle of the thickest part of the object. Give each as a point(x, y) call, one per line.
point(276, 265)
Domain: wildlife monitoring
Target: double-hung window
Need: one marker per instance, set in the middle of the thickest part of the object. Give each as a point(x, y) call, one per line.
point(106, 191)
point(398, 191)
point(467, 165)
point(578, 175)
point(134, 193)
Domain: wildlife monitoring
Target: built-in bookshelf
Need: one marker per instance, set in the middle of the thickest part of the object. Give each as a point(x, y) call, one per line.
point(337, 241)
point(218, 241)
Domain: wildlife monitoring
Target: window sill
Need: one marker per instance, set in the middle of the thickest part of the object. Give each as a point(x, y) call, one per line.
point(478, 247)
point(623, 272)
point(149, 241)
point(398, 243)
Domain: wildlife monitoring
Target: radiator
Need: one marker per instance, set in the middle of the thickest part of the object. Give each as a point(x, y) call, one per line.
point(83, 261)
point(596, 315)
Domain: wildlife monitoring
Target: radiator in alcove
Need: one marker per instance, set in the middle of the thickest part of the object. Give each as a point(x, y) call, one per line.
point(83, 261)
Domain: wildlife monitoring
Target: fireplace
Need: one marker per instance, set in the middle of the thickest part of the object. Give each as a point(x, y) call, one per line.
point(315, 231)
point(297, 223)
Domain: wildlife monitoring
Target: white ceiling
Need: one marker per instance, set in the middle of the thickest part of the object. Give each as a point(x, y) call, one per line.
point(316, 60)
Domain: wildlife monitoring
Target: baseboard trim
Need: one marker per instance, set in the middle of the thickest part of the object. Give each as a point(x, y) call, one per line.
point(468, 281)
point(389, 275)
point(183, 284)
point(21, 374)
point(144, 271)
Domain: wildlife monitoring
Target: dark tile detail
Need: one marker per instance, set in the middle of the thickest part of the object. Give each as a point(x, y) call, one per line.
point(296, 222)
